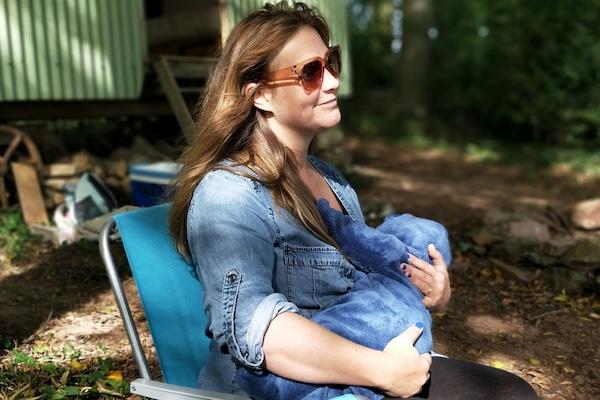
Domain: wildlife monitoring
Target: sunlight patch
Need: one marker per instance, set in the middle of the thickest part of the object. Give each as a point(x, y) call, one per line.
point(490, 325)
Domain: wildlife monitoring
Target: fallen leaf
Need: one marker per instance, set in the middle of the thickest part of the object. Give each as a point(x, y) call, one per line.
point(64, 378)
point(568, 370)
point(485, 273)
point(104, 390)
point(563, 297)
point(114, 375)
point(534, 361)
point(77, 366)
point(498, 364)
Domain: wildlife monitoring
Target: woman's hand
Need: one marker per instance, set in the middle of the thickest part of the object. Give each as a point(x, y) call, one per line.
point(405, 371)
point(431, 280)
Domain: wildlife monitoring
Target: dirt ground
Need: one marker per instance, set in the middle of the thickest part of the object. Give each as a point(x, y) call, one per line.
point(60, 296)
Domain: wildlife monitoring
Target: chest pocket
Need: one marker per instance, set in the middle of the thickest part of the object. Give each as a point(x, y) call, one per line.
point(316, 276)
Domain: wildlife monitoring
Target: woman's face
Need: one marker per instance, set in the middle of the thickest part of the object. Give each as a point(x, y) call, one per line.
point(292, 108)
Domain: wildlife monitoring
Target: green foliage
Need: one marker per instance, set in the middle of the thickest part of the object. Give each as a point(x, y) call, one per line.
point(372, 60)
point(14, 235)
point(517, 70)
point(520, 67)
point(44, 374)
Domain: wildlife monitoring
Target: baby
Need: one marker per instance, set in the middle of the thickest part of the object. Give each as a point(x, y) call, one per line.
point(379, 285)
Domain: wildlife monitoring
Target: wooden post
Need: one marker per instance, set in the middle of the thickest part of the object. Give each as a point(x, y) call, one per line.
point(30, 194)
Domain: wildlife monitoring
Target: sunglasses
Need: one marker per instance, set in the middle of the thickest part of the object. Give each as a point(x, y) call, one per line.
point(309, 72)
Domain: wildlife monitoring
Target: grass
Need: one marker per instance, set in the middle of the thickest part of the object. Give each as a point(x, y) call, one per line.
point(487, 150)
point(375, 119)
point(54, 374)
point(38, 371)
point(14, 235)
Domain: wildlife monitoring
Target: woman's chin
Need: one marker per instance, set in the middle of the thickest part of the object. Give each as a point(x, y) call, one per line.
point(332, 119)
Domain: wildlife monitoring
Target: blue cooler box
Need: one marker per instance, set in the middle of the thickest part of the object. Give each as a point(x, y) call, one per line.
point(149, 182)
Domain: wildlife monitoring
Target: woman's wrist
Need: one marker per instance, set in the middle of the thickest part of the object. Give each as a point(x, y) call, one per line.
point(375, 370)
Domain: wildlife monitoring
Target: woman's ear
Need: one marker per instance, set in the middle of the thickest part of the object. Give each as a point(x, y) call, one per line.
point(261, 96)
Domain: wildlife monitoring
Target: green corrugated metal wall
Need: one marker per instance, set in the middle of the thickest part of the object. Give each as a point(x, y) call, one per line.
point(334, 12)
point(71, 49)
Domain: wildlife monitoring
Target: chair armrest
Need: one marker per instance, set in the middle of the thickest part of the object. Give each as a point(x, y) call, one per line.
point(161, 391)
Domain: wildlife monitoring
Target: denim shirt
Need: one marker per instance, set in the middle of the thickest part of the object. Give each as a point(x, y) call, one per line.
point(257, 261)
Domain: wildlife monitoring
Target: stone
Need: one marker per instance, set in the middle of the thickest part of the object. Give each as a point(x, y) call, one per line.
point(570, 280)
point(557, 247)
point(529, 229)
point(484, 237)
point(585, 251)
point(515, 249)
point(520, 274)
point(586, 214)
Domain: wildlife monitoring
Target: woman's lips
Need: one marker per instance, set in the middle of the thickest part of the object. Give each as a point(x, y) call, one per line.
point(332, 101)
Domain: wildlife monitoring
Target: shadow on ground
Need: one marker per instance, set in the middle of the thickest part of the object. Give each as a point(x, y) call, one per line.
point(50, 283)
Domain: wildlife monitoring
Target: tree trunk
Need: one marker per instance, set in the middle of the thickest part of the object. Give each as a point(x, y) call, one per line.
point(414, 59)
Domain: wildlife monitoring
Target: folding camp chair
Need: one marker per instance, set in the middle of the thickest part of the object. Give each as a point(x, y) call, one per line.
point(171, 296)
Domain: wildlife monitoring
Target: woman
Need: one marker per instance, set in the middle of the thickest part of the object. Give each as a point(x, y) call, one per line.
point(244, 212)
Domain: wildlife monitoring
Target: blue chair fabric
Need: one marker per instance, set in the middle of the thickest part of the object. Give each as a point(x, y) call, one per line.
point(170, 293)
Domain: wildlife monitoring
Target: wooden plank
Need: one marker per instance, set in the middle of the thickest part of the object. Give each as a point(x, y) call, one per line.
point(31, 110)
point(192, 68)
point(30, 194)
point(176, 100)
point(60, 170)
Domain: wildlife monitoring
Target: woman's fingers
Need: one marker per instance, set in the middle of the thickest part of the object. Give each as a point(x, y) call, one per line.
point(421, 264)
point(431, 291)
point(420, 279)
point(426, 302)
point(436, 256)
point(431, 280)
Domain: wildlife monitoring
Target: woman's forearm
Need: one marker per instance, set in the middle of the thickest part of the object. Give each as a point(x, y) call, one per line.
point(299, 349)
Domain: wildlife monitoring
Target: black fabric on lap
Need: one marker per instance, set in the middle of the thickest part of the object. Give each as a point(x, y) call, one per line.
point(454, 379)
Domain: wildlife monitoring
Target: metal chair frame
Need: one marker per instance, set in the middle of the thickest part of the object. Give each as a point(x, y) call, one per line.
point(145, 386)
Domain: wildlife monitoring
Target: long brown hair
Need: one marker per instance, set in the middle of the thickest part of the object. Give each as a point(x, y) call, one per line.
point(229, 126)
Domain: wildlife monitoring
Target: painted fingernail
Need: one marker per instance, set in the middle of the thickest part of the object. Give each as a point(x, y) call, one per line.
point(403, 266)
point(419, 325)
point(408, 256)
point(409, 275)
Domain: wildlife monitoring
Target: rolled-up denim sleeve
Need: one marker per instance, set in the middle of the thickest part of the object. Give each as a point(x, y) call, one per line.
point(231, 241)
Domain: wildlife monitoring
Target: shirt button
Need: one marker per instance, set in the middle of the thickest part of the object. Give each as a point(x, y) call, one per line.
point(232, 278)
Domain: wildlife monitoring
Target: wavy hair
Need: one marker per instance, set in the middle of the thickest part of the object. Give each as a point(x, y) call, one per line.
point(230, 127)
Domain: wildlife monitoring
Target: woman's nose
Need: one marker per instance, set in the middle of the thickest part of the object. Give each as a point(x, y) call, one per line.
point(330, 82)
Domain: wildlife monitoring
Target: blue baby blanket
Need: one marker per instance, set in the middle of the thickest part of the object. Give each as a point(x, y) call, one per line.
point(382, 303)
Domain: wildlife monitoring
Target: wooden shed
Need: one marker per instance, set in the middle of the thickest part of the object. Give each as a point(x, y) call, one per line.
point(60, 58)
point(71, 49)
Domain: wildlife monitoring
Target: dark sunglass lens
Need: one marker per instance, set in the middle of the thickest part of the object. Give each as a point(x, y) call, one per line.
point(334, 61)
point(312, 73)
